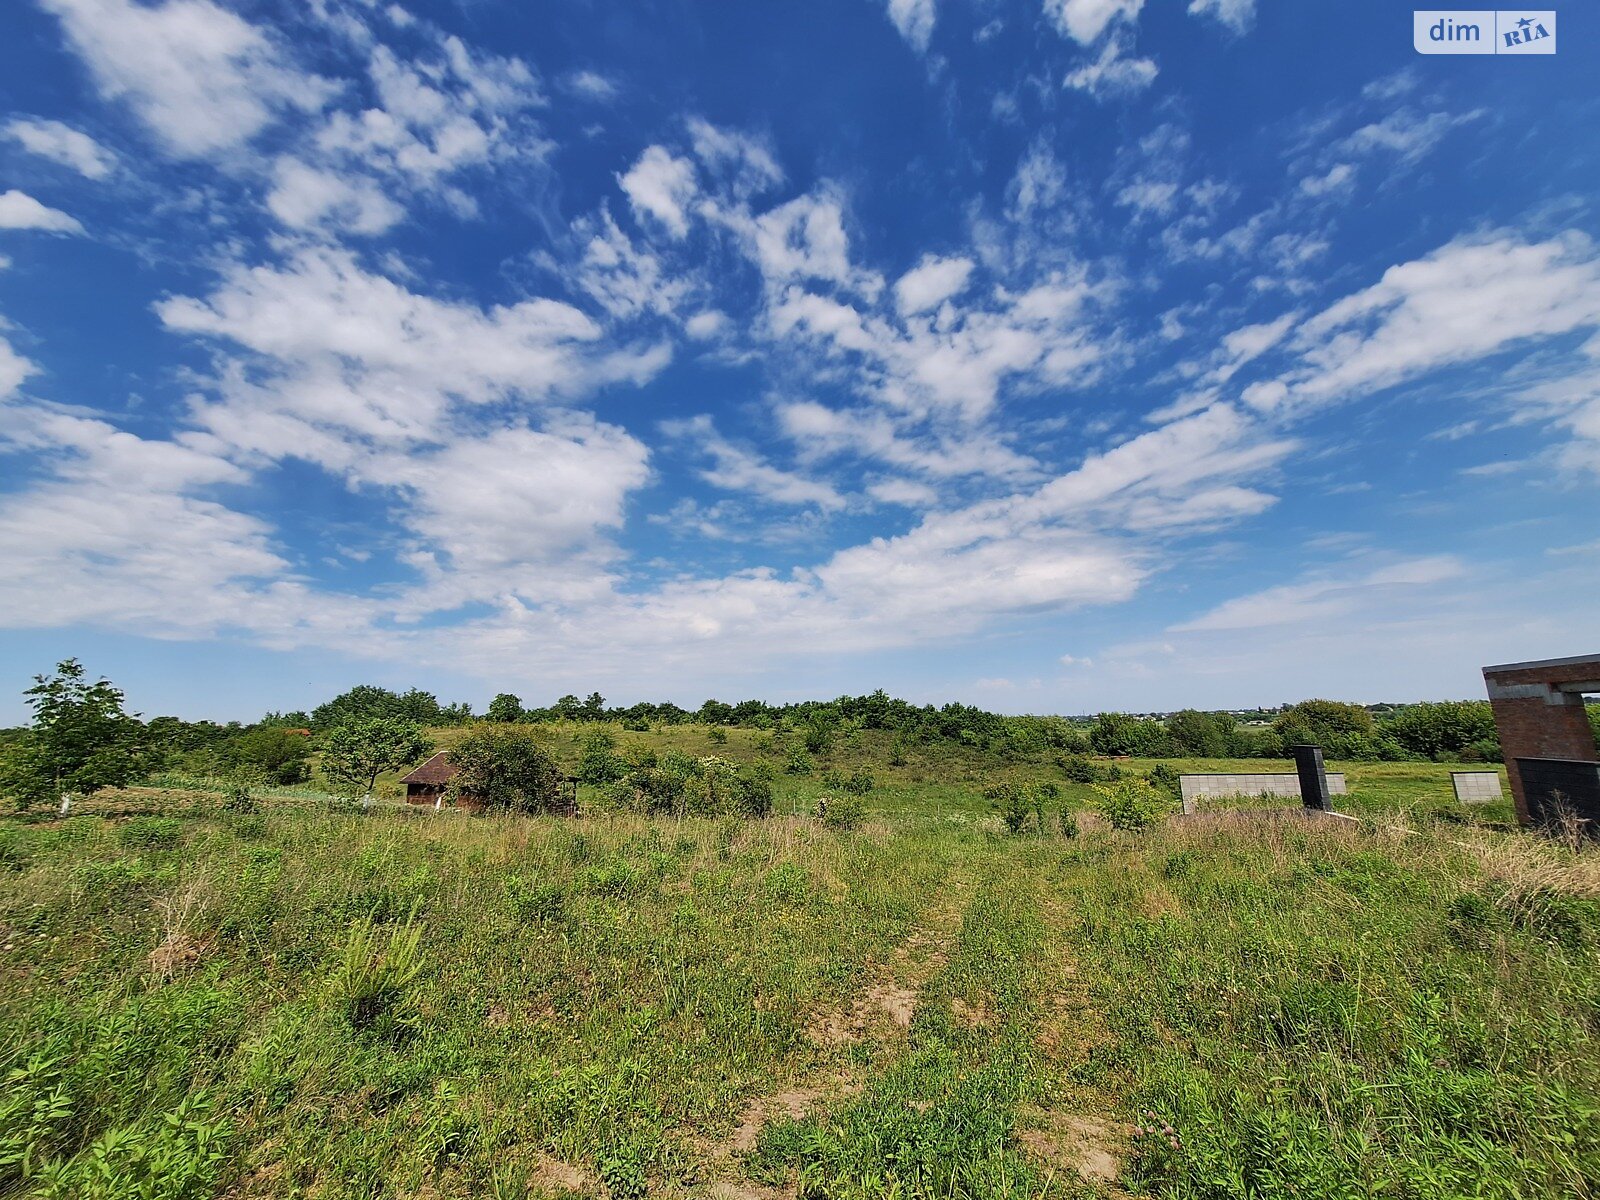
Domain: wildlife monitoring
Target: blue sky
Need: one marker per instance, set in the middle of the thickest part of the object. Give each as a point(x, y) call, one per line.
point(1050, 356)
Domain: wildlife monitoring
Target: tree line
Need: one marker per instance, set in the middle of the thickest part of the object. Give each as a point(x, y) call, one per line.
point(82, 738)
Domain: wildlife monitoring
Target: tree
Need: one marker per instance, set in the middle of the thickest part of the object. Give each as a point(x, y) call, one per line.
point(354, 755)
point(1444, 728)
point(506, 769)
point(80, 740)
point(1342, 730)
point(505, 708)
point(570, 708)
point(1206, 735)
point(594, 707)
point(274, 751)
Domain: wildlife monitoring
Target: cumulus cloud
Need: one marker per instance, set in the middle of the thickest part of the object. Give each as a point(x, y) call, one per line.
point(1085, 20)
point(914, 19)
point(62, 144)
point(931, 282)
point(202, 78)
point(18, 210)
point(1237, 15)
point(306, 197)
point(661, 185)
point(343, 356)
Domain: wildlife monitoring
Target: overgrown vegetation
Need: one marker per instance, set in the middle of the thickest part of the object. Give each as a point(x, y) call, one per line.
point(938, 967)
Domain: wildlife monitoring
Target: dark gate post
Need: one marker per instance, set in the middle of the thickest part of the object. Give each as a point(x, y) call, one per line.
point(1313, 778)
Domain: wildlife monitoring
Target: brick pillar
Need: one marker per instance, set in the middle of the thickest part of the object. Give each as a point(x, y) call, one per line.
point(1535, 720)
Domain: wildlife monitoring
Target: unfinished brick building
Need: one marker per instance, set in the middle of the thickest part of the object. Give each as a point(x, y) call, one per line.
point(1546, 737)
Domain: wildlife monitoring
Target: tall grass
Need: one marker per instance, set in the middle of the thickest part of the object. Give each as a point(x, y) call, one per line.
point(389, 1004)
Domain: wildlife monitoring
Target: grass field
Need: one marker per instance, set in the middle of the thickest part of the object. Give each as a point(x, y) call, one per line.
point(301, 1002)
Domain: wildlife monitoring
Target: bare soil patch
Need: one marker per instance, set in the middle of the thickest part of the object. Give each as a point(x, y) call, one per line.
point(1087, 1145)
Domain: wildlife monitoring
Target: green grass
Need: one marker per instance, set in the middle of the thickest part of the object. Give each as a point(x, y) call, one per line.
point(302, 1002)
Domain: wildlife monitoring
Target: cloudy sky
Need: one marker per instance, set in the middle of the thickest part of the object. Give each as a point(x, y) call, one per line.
point(1055, 355)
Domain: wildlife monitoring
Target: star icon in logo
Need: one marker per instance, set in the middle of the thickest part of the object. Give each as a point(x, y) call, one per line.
point(1525, 22)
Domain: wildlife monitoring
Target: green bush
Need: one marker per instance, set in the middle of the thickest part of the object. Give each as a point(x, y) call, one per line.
point(1011, 803)
point(1078, 768)
point(798, 763)
point(841, 812)
point(1164, 778)
point(1132, 804)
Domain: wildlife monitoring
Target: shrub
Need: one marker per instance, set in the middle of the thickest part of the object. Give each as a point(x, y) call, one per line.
point(858, 783)
point(1077, 768)
point(1164, 778)
point(1131, 804)
point(718, 736)
point(600, 763)
point(753, 792)
point(798, 763)
point(1011, 802)
point(1069, 824)
point(841, 812)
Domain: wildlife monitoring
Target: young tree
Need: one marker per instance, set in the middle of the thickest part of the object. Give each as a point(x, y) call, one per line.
point(354, 755)
point(505, 708)
point(80, 741)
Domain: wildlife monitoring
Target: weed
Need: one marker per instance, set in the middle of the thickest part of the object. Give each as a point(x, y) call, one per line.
point(375, 976)
point(151, 833)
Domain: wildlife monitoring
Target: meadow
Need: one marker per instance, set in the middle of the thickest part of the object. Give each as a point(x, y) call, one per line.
point(286, 997)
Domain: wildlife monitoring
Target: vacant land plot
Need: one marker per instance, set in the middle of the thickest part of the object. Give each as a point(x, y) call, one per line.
point(303, 1002)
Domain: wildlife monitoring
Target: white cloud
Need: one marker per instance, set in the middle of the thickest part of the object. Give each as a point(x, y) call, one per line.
point(517, 510)
point(1112, 74)
point(745, 163)
point(736, 469)
point(1237, 15)
point(906, 492)
point(1085, 20)
point(1339, 178)
point(1465, 301)
point(202, 78)
point(591, 85)
point(14, 370)
point(18, 210)
point(622, 278)
point(661, 185)
point(931, 282)
point(304, 197)
point(706, 325)
point(914, 20)
point(1148, 196)
point(1324, 599)
point(1406, 132)
point(340, 358)
point(63, 144)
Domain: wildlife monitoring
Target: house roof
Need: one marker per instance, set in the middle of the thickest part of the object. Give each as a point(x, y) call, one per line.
point(437, 771)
